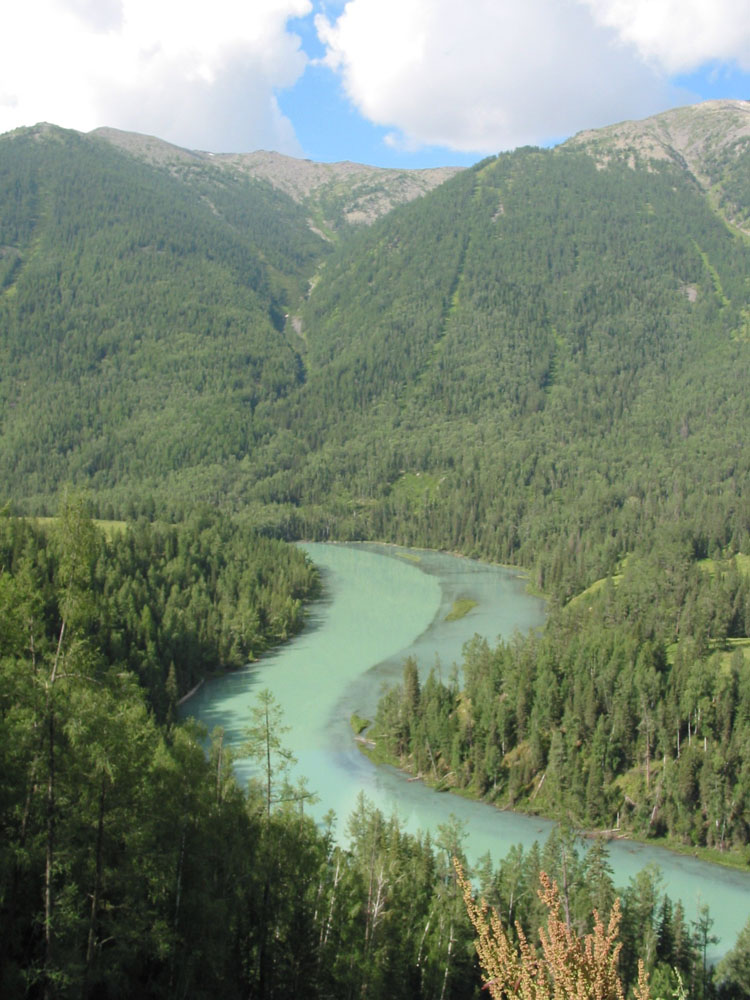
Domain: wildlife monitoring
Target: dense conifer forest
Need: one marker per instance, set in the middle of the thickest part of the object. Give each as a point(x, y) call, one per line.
point(542, 362)
point(132, 863)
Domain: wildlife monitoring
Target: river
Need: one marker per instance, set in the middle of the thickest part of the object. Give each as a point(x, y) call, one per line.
point(381, 604)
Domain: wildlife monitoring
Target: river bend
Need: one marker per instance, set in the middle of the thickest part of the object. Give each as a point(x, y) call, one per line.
point(381, 604)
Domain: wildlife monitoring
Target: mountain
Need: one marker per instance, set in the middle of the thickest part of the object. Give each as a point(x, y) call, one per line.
point(707, 140)
point(142, 318)
point(145, 297)
point(537, 357)
point(541, 360)
point(335, 195)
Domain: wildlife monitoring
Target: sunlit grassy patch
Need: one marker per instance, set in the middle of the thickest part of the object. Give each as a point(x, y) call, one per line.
point(462, 606)
point(110, 528)
point(358, 723)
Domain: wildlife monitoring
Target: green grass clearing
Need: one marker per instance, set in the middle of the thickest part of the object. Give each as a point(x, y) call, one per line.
point(714, 566)
point(416, 485)
point(110, 528)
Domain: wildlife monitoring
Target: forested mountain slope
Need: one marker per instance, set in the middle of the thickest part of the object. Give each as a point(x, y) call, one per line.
point(539, 361)
point(145, 294)
point(544, 356)
point(541, 358)
point(141, 320)
point(708, 140)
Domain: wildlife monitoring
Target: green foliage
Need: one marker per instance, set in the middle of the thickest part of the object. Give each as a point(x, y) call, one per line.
point(167, 879)
point(263, 744)
point(358, 724)
point(733, 972)
point(592, 721)
point(176, 601)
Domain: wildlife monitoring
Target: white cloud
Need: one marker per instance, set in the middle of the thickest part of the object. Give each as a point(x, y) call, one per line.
point(477, 76)
point(201, 75)
point(680, 35)
point(486, 75)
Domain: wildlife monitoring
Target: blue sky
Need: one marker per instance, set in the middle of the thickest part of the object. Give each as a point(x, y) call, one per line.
point(408, 83)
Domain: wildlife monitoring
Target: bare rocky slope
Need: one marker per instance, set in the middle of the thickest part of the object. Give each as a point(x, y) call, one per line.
point(706, 139)
point(336, 195)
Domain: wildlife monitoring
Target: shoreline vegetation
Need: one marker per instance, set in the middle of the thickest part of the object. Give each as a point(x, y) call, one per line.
point(628, 714)
point(372, 745)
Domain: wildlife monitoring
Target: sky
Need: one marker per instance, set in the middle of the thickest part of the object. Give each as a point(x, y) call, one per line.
point(400, 83)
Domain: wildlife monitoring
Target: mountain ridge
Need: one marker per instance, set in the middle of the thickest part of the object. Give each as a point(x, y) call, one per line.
point(698, 138)
point(704, 139)
point(686, 131)
point(360, 193)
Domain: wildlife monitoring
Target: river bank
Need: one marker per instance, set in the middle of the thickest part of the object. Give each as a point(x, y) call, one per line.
point(371, 745)
point(377, 609)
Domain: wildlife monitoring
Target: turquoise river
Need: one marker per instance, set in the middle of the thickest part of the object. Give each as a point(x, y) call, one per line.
point(381, 604)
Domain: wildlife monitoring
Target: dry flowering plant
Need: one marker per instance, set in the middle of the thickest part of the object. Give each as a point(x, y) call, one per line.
point(568, 966)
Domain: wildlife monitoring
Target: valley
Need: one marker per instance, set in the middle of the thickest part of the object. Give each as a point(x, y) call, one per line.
point(539, 361)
